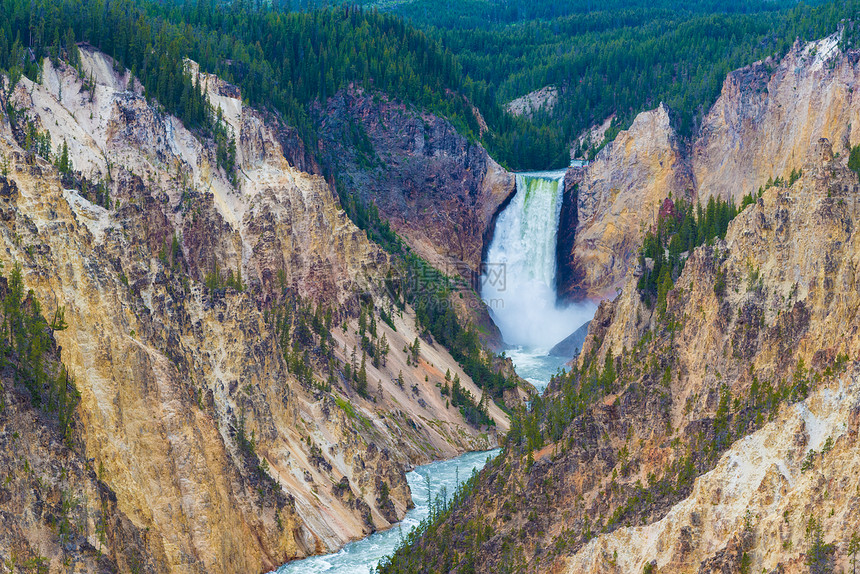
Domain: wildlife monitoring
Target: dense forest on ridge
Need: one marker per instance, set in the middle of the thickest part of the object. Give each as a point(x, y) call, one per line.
point(606, 58)
point(621, 57)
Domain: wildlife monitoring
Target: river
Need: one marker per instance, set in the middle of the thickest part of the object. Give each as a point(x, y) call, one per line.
point(535, 365)
point(362, 556)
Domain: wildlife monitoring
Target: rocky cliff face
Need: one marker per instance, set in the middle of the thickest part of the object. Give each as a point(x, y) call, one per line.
point(618, 194)
point(768, 116)
point(439, 191)
point(716, 437)
point(570, 278)
point(788, 263)
point(753, 509)
point(436, 188)
point(56, 512)
point(771, 113)
point(212, 453)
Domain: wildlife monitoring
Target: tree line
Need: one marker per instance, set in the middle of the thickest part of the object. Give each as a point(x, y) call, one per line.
point(617, 57)
point(680, 228)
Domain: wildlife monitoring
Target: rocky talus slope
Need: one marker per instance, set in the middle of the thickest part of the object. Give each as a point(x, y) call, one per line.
point(716, 436)
point(198, 444)
point(761, 127)
point(543, 99)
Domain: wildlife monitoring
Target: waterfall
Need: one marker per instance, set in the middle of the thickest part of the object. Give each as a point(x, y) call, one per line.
point(518, 283)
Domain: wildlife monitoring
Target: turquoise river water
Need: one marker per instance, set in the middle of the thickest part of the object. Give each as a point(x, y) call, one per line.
point(362, 556)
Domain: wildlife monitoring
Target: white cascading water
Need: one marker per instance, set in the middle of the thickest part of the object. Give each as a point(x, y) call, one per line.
point(519, 280)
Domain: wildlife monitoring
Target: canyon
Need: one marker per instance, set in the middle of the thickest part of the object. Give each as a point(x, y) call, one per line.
point(714, 433)
point(198, 445)
point(216, 314)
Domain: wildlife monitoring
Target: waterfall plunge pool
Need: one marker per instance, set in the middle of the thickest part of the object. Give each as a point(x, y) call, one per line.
point(519, 281)
point(535, 365)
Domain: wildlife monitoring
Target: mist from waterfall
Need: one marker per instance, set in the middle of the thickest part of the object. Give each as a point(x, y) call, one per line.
point(519, 279)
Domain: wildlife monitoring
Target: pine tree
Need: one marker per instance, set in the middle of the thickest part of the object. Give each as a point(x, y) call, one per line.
point(362, 376)
point(819, 554)
point(362, 322)
point(609, 376)
point(665, 285)
point(416, 349)
point(853, 548)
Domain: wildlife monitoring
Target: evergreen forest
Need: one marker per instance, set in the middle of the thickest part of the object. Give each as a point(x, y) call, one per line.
point(461, 60)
